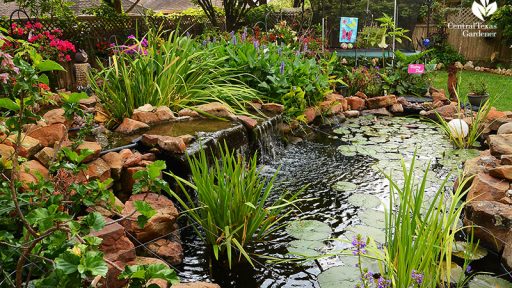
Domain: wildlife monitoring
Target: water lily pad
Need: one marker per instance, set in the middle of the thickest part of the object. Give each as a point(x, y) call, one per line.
point(463, 250)
point(488, 281)
point(456, 273)
point(339, 277)
point(309, 230)
point(344, 186)
point(373, 218)
point(378, 235)
point(305, 248)
point(342, 131)
point(348, 150)
point(364, 200)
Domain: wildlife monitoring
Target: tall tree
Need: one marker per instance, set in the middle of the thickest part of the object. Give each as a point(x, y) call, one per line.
point(234, 11)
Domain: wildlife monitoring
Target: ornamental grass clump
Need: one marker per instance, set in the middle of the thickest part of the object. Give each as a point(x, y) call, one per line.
point(173, 71)
point(234, 206)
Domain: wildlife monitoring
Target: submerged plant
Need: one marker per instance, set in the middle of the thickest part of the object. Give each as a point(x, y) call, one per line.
point(233, 206)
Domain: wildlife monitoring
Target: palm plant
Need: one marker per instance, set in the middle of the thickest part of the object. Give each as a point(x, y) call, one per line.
point(233, 205)
point(173, 72)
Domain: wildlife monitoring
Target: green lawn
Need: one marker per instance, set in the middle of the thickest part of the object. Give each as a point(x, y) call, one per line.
point(499, 86)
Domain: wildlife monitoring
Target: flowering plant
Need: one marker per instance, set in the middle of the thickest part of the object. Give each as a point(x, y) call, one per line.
point(48, 42)
point(132, 46)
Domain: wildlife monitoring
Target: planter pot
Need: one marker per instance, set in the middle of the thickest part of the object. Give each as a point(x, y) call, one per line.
point(477, 100)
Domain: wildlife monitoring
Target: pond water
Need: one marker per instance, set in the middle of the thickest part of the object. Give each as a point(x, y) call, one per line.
point(341, 166)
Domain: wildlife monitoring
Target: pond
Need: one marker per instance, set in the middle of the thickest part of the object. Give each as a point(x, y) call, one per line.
point(346, 191)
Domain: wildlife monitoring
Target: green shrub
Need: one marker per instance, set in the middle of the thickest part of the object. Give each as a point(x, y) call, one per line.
point(174, 72)
point(232, 205)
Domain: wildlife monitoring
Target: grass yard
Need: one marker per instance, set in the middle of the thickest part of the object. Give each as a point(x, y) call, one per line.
point(498, 85)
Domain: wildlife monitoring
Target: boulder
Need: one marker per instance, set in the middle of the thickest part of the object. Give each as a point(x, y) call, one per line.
point(186, 112)
point(439, 96)
point(89, 102)
point(134, 160)
point(506, 159)
point(92, 146)
point(248, 122)
point(496, 124)
point(171, 251)
point(166, 143)
point(215, 109)
point(107, 209)
point(500, 144)
point(502, 172)
point(492, 223)
point(356, 103)
point(56, 116)
point(34, 168)
point(487, 188)
point(273, 107)
point(160, 224)
point(331, 107)
point(145, 114)
point(311, 113)
point(45, 156)
point(49, 135)
point(130, 126)
point(377, 112)
point(115, 245)
point(448, 112)
point(98, 169)
point(255, 106)
point(396, 108)
point(196, 285)
point(164, 113)
point(6, 151)
point(495, 114)
point(361, 95)
point(481, 163)
point(127, 179)
point(352, 113)
point(339, 99)
point(115, 162)
point(505, 128)
point(29, 146)
point(381, 102)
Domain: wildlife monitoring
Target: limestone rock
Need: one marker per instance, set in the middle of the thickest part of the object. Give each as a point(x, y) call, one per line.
point(500, 144)
point(352, 113)
point(506, 159)
point(502, 172)
point(166, 143)
point(96, 170)
point(115, 245)
point(381, 102)
point(49, 135)
point(215, 109)
point(481, 163)
point(92, 146)
point(34, 168)
point(145, 114)
point(130, 126)
point(361, 95)
point(487, 188)
point(115, 162)
point(396, 108)
point(356, 103)
point(331, 107)
point(377, 112)
point(448, 112)
point(273, 107)
point(29, 146)
point(127, 179)
point(495, 114)
point(45, 156)
point(248, 122)
point(159, 225)
point(505, 128)
point(56, 116)
point(164, 113)
point(171, 251)
point(495, 219)
point(186, 112)
point(6, 151)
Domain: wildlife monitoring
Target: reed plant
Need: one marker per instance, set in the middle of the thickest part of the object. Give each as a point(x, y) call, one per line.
point(420, 232)
point(172, 71)
point(234, 204)
point(476, 127)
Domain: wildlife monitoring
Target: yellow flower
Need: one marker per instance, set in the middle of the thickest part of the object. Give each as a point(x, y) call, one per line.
point(76, 250)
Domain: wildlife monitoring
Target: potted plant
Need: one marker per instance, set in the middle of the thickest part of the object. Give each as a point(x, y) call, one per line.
point(478, 93)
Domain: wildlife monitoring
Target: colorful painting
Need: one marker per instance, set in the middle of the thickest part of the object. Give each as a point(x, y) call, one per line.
point(348, 29)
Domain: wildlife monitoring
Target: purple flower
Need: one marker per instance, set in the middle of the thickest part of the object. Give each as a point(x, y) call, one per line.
point(4, 77)
point(144, 42)
point(205, 42)
point(281, 68)
point(306, 47)
point(383, 283)
point(188, 34)
point(368, 275)
point(418, 277)
point(279, 51)
point(256, 44)
point(468, 269)
point(131, 37)
point(359, 245)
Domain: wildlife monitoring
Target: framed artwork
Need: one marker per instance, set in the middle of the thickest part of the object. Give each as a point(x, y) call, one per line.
point(348, 29)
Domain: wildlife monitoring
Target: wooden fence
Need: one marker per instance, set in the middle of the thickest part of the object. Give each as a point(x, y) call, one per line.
point(480, 49)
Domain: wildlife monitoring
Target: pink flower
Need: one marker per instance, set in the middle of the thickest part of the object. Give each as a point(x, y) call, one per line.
point(68, 58)
point(4, 77)
point(38, 25)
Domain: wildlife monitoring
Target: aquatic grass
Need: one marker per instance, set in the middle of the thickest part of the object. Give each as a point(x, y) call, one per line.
point(420, 235)
point(172, 71)
point(233, 206)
